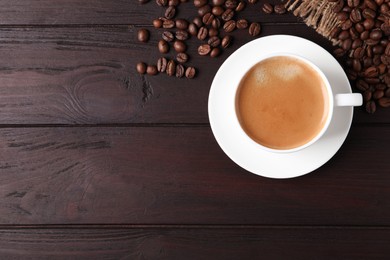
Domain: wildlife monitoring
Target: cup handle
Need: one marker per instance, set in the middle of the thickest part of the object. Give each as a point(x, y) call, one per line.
point(348, 100)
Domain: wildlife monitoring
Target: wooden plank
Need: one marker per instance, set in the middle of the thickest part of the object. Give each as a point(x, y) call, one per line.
point(86, 76)
point(55, 12)
point(195, 243)
point(179, 175)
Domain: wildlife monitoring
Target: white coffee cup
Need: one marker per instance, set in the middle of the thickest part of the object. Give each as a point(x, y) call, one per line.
point(334, 100)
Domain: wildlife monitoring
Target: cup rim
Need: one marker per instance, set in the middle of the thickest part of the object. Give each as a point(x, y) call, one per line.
point(330, 104)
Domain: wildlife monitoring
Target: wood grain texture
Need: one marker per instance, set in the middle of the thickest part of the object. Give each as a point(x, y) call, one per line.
point(96, 12)
point(86, 76)
point(179, 175)
point(196, 243)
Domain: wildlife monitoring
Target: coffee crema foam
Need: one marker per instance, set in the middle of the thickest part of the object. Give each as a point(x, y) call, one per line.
point(282, 103)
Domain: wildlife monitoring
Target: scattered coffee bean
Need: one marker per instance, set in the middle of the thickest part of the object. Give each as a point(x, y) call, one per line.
point(179, 46)
point(168, 24)
point(242, 24)
point(162, 2)
point(214, 41)
point(171, 68)
point(280, 9)
point(190, 72)
point(213, 32)
point(162, 64)
point(215, 52)
point(216, 24)
point(367, 95)
point(204, 10)
point(168, 36)
point(254, 29)
point(229, 26)
point(157, 23)
point(170, 12)
point(371, 107)
point(217, 10)
point(151, 70)
point(198, 21)
point(192, 29)
point(384, 102)
point(181, 24)
point(181, 35)
point(204, 49)
point(226, 41)
point(141, 67)
point(200, 3)
point(163, 46)
point(227, 15)
point(232, 4)
point(252, 1)
point(143, 35)
point(268, 8)
point(379, 93)
point(218, 2)
point(208, 18)
point(202, 33)
point(180, 71)
point(173, 2)
point(182, 57)
point(240, 6)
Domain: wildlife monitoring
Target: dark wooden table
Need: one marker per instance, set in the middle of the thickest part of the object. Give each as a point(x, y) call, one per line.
point(98, 162)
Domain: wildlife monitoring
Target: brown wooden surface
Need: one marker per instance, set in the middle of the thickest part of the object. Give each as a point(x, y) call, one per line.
point(97, 162)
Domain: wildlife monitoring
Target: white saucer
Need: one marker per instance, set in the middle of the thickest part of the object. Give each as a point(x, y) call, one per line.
point(246, 154)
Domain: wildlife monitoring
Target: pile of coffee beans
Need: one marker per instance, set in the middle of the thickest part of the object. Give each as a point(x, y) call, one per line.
point(212, 26)
point(364, 40)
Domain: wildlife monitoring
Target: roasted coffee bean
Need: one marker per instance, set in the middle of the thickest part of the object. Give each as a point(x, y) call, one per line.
point(339, 52)
point(141, 67)
point(173, 2)
point(180, 71)
point(356, 15)
point(368, 23)
point(217, 10)
point(204, 49)
point(202, 33)
point(354, 34)
point(157, 23)
point(190, 72)
point(356, 65)
point(372, 81)
point(192, 29)
point(143, 35)
point(151, 70)
point(338, 6)
point(167, 24)
point(347, 44)
point(362, 85)
point(163, 46)
point(384, 8)
point(181, 35)
point(369, 52)
point(162, 64)
point(342, 16)
point(367, 96)
point(171, 68)
point(346, 9)
point(215, 52)
point(242, 24)
point(371, 4)
point(346, 25)
point(371, 72)
point(170, 12)
point(371, 107)
point(371, 42)
point(378, 94)
point(229, 26)
point(359, 27)
point(387, 50)
point(352, 75)
point(182, 57)
point(216, 23)
point(214, 41)
point(204, 10)
point(382, 68)
point(357, 43)
point(181, 24)
point(198, 21)
point(162, 2)
point(335, 32)
point(227, 15)
point(343, 35)
point(384, 102)
point(218, 2)
point(365, 35)
point(213, 32)
point(252, 1)
point(179, 46)
point(208, 18)
point(369, 13)
point(168, 36)
point(359, 53)
point(367, 62)
point(200, 3)
point(232, 4)
point(353, 3)
point(254, 29)
point(387, 92)
point(280, 9)
point(226, 41)
point(268, 8)
point(376, 34)
point(240, 6)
